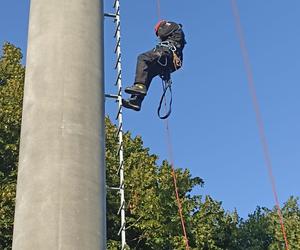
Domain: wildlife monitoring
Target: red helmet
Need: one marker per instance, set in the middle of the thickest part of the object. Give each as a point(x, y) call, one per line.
point(156, 27)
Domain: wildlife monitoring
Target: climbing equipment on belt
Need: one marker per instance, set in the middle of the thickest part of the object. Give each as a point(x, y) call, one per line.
point(176, 60)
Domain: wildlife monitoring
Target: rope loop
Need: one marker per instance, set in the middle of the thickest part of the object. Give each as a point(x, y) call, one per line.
point(167, 85)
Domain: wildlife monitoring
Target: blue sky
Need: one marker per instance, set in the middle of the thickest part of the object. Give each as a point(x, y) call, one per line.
point(213, 127)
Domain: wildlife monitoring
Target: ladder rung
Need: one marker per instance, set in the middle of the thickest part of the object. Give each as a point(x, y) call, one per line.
point(113, 188)
point(111, 96)
point(120, 129)
point(117, 29)
point(121, 207)
point(120, 167)
point(117, 45)
point(117, 11)
point(122, 186)
point(120, 92)
point(120, 147)
point(110, 15)
point(118, 78)
point(119, 112)
point(121, 228)
point(118, 61)
point(115, 3)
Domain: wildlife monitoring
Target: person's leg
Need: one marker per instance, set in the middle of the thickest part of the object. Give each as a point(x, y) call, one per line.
point(147, 68)
point(146, 62)
point(134, 102)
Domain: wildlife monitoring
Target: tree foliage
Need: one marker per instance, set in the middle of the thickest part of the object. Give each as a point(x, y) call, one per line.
point(254, 233)
point(151, 209)
point(291, 218)
point(213, 227)
point(11, 92)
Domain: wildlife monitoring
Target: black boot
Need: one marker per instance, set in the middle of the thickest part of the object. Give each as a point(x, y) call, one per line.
point(133, 103)
point(137, 89)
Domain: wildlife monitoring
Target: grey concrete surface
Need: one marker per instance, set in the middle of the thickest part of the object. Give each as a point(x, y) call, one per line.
point(60, 200)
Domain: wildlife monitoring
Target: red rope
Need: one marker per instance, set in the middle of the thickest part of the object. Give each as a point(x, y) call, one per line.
point(259, 120)
point(158, 9)
point(170, 150)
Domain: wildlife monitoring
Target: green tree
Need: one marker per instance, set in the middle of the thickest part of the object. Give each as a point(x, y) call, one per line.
point(254, 233)
point(262, 230)
point(214, 229)
point(291, 217)
point(11, 92)
point(152, 213)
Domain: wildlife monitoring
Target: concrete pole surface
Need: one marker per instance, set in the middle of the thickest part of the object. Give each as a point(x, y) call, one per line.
point(60, 200)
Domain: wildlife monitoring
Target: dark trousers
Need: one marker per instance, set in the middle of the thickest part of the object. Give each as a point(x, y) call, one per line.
point(150, 64)
point(148, 67)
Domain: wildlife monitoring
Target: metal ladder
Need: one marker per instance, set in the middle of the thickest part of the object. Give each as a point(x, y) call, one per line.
point(118, 97)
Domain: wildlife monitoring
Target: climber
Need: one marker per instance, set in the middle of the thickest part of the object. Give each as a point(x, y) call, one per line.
point(164, 59)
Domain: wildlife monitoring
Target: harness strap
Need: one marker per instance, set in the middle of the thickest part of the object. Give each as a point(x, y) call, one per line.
point(166, 84)
point(166, 76)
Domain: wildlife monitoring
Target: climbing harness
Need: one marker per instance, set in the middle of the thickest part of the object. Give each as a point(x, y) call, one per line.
point(166, 85)
point(176, 60)
point(166, 76)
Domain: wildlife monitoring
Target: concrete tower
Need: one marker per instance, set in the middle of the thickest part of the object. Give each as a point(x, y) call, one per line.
point(61, 181)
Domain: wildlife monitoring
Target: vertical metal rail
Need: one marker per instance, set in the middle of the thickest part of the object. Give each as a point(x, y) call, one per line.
point(118, 97)
point(118, 67)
